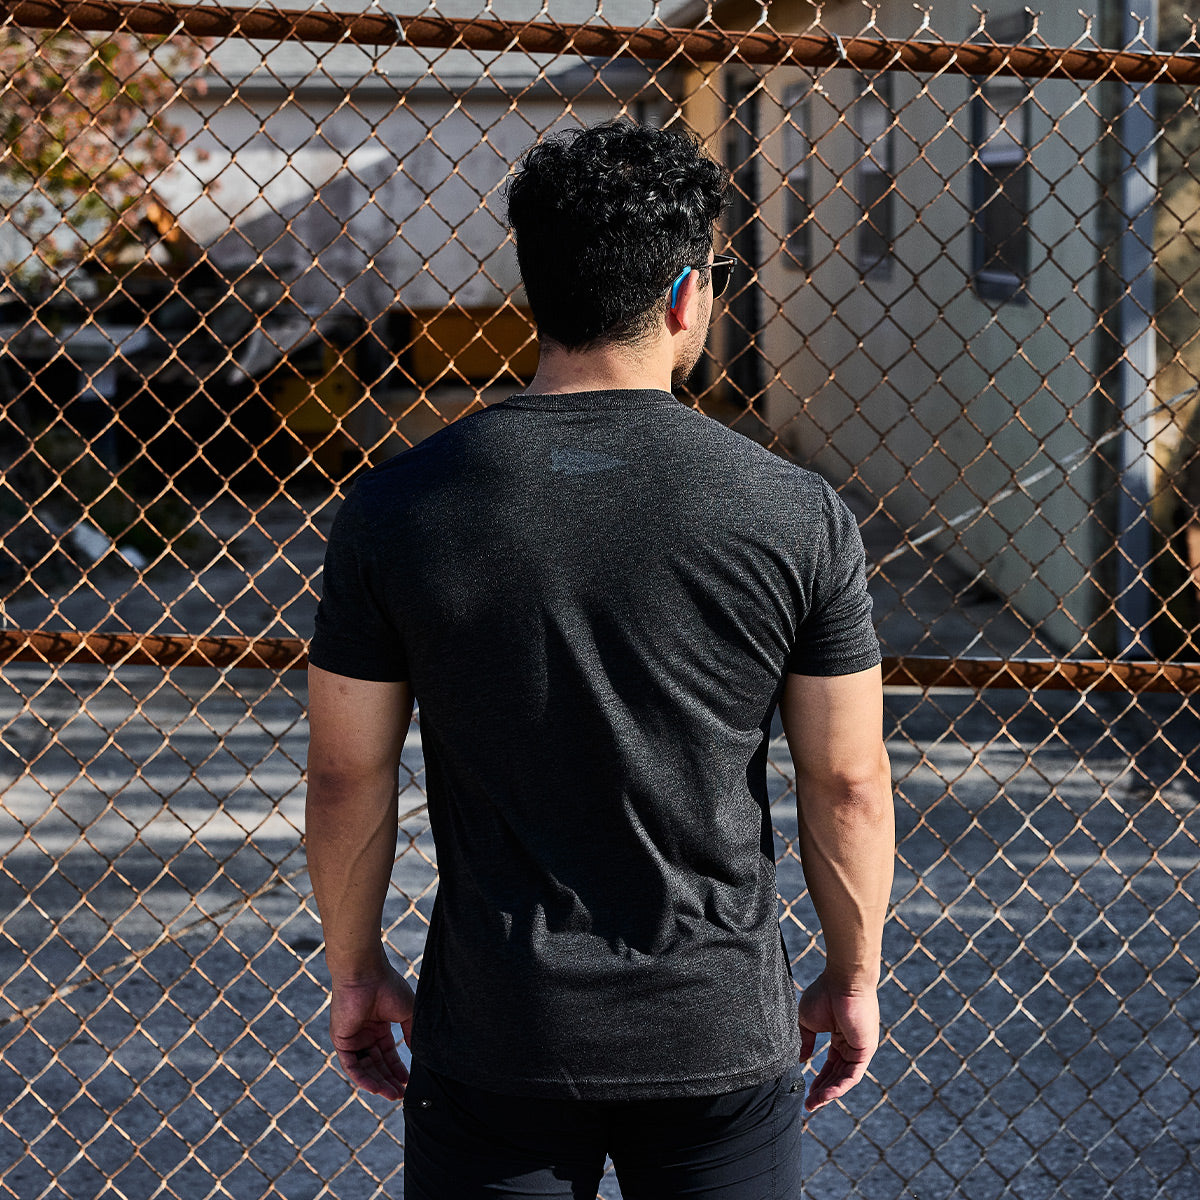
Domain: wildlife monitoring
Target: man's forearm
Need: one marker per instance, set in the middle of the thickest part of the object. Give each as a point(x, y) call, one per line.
point(356, 734)
point(847, 842)
point(351, 840)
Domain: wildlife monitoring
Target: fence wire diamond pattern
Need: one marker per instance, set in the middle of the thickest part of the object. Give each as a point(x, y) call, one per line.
point(249, 252)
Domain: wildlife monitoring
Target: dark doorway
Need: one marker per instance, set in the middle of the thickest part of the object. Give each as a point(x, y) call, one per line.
point(744, 324)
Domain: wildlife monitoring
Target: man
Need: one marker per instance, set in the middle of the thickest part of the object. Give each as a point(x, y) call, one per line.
point(599, 597)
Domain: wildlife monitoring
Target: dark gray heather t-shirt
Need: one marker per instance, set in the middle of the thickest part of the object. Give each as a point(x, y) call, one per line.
point(595, 598)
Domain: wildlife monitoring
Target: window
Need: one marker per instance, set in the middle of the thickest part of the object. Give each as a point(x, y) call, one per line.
point(1000, 190)
point(874, 183)
point(1000, 176)
point(797, 192)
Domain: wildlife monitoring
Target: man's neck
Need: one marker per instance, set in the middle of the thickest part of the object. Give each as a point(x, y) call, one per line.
point(600, 369)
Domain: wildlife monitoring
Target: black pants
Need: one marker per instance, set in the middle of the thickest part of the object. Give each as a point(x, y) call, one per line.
point(462, 1143)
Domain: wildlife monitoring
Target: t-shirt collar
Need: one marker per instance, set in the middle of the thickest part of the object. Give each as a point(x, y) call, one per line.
point(590, 401)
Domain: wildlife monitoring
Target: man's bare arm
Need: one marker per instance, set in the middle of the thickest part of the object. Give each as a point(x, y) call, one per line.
point(356, 733)
point(847, 842)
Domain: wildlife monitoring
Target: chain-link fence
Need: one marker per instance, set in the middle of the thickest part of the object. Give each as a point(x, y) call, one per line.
point(249, 251)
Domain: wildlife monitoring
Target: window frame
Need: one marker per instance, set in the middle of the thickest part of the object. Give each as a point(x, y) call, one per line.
point(1000, 180)
point(875, 179)
point(798, 153)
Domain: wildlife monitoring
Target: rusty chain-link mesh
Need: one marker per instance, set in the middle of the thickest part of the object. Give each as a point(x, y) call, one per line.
point(248, 252)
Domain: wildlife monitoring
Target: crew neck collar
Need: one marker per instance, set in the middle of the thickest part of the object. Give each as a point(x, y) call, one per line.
point(590, 401)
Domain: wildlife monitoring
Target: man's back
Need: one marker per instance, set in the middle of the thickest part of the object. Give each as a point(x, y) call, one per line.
point(595, 597)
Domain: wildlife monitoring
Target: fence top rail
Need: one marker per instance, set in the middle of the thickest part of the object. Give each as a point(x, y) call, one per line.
point(283, 654)
point(654, 42)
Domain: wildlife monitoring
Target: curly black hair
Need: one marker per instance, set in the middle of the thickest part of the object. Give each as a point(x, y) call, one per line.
point(604, 219)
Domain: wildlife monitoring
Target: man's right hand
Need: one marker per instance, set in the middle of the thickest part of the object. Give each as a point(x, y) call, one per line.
point(361, 1016)
point(851, 1018)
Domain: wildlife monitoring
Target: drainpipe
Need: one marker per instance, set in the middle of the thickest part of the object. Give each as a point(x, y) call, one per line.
point(1137, 133)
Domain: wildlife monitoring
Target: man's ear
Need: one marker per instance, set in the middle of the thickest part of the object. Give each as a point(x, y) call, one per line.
point(682, 314)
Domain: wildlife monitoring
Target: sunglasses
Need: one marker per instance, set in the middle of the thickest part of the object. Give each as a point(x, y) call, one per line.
point(721, 269)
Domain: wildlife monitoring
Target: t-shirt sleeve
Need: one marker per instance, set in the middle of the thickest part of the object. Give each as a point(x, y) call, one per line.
point(354, 634)
point(836, 636)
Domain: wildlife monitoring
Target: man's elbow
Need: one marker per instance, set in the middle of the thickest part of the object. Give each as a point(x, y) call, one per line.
point(863, 784)
point(332, 786)
point(326, 788)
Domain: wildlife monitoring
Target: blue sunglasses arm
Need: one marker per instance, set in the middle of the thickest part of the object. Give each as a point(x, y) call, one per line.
point(678, 284)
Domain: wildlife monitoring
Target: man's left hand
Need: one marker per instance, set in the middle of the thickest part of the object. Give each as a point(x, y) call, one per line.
point(361, 1016)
